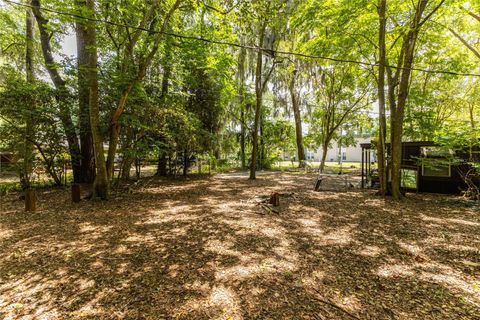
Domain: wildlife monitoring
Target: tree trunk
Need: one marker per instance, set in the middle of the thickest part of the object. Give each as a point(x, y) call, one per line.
point(471, 109)
point(398, 114)
point(30, 197)
point(162, 163)
point(261, 142)
point(126, 166)
point(241, 102)
point(76, 193)
point(87, 169)
point(258, 105)
point(324, 156)
point(242, 139)
point(128, 157)
point(138, 168)
point(114, 130)
point(101, 183)
point(30, 200)
point(298, 121)
point(381, 161)
point(62, 92)
point(186, 162)
point(162, 154)
point(28, 155)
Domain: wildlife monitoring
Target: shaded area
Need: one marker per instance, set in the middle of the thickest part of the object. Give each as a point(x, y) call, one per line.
point(203, 249)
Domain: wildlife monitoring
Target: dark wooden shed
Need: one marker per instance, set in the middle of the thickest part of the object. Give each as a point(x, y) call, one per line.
point(425, 167)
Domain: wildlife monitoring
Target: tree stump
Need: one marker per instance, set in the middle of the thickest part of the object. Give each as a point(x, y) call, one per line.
point(76, 194)
point(274, 199)
point(30, 200)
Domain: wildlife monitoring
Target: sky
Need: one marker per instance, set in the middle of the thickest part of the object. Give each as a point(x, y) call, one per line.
point(69, 45)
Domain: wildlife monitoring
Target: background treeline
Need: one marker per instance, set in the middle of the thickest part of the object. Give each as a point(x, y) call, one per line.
point(176, 80)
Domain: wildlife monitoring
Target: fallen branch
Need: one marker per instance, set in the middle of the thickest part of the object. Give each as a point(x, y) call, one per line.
point(336, 306)
point(267, 208)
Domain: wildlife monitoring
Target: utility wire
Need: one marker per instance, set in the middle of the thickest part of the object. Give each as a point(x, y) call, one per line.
point(238, 45)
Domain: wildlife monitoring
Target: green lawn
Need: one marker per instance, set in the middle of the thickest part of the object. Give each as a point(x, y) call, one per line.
point(329, 166)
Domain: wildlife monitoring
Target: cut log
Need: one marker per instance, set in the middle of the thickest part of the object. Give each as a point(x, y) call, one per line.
point(274, 199)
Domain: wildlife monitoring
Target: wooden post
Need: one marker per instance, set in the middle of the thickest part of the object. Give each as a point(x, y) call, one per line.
point(369, 161)
point(30, 200)
point(363, 173)
point(76, 194)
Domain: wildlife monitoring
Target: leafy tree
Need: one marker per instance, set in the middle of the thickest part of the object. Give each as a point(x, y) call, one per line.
point(339, 99)
point(30, 140)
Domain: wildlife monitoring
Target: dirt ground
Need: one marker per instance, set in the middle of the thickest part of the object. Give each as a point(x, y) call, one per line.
point(203, 248)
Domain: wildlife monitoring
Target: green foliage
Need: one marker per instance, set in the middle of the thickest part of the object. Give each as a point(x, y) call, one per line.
point(278, 135)
point(20, 101)
point(188, 99)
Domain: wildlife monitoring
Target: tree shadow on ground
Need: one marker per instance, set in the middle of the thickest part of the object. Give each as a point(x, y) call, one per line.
point(204, 249)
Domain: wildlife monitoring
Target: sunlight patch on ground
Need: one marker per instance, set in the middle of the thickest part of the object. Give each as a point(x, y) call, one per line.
point(410, 248)
point(396, 270)
point(351, 303)
point(342, 236)
point(169, 214)
point(371, 251)
point(222, 303)
point(454, 247)
point(226, 299)
point(449, 221)
point(255, 268)
point(452, 279)
point(28, 298)
point(313, 279)
point(140, 238)
point(245, 225)
point(93, 307)
point(224, 247)
point(198, 286)
point(5, 234)
point(436, 273)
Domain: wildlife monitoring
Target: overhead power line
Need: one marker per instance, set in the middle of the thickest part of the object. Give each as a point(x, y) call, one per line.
point(249, 47)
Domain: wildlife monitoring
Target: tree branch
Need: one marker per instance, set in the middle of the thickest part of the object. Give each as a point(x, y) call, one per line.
point(465, 43)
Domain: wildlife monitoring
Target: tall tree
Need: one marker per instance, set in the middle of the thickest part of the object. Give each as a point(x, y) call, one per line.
point(339, 98)
point(85, 131)
point(28, 155)
point(140, 65)
point(297, 116)
point(267, 27)
point(241, 90)
point(401, 78)
point(382, 123)
point(259, 87)
point(63, 95)
point(89, 39)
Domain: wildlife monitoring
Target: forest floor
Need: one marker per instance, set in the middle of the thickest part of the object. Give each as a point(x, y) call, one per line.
point(204, 248)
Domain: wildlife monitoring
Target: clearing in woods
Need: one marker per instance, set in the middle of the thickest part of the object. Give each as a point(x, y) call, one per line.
point(204, 248)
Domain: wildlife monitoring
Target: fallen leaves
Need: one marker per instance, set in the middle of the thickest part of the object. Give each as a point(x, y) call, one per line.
point(197, 249)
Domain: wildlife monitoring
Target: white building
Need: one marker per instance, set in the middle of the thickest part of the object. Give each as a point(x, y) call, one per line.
point(348, 154)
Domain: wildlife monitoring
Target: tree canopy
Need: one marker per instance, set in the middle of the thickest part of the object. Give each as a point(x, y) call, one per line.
point(238, 81)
